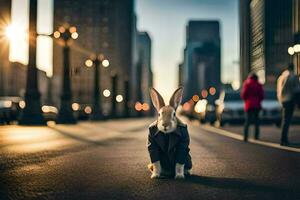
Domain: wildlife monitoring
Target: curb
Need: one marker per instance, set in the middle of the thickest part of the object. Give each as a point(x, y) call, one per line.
point(240, 137)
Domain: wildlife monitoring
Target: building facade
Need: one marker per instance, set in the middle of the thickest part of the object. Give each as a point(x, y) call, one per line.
point(144, 75)
point(202, 58)
point(266, 28)
point(105, 28)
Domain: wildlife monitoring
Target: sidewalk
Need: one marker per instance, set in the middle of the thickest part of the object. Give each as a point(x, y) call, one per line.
point(269, 133)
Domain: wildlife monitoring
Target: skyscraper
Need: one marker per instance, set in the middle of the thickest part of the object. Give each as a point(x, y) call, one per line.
point(105, 27)
point(202, 57)
point(266, 34)
point(144, 75)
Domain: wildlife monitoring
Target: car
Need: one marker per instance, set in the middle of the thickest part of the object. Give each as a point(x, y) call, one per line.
point(200, 110)
point(10, 109)
point(205, 111)
point(82, 111)
point(229, 108)
point(271, 109)
point(188, 110)
point(49, 112)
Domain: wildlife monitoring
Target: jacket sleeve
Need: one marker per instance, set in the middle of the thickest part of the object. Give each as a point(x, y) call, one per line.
point(183, 149)
point(152, 148)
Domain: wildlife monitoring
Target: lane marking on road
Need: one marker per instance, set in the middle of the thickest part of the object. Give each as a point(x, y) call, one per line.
point(237, 136)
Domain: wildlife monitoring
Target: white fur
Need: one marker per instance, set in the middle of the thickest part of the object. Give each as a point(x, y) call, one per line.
point(179, 171)
point(156, 170)
point(171, 120)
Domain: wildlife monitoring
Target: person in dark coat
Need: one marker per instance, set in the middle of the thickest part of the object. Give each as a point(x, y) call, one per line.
point(252, 94)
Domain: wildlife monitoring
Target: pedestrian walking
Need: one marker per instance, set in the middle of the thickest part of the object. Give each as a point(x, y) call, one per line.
point(252, 93)
point(288, 89)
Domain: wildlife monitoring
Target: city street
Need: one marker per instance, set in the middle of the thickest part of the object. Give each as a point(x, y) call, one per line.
point(108, 160)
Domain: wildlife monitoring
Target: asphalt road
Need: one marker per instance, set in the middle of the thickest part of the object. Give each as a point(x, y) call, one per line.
point(108, 160)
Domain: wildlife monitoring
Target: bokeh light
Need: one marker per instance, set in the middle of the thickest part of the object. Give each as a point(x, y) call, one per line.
point(75, 106)
point(22, 104)
point(291, 51)
point(106, 93)
point(204, 93)
point(56, 34)
point(138, 106)
point(195, 98)
point(200, 106)
point(119, 98)
point(145, 106)
point(105, 63)
point(61, 29)
point(88, 110)
point(89, 63)
point(296, 48)
point(73, 29)
point(74, 35)
point(212, 91)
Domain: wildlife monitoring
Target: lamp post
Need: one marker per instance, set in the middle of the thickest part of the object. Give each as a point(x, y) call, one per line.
point(114, 80)
point(97, 110)
point(126, 98)
point(32, 114)
point(65, 114)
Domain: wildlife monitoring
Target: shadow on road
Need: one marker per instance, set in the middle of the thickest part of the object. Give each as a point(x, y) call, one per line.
point(233, 183)
point(100, 142)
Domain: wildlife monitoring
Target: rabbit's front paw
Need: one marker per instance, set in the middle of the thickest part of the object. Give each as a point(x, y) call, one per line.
point(156, 170)
point(179, 171)
point(155, 175)
point(179, 176)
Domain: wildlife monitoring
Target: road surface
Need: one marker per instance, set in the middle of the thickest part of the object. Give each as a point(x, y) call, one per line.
point(108, 160)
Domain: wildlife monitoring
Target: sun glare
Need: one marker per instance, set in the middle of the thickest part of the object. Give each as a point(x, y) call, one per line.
point(15, 32)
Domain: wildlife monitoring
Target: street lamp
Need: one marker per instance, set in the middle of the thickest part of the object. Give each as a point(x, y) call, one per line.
point(114, 80)
point(32, 113)
point(65, 115)
point(96, 61)
point(126, 98)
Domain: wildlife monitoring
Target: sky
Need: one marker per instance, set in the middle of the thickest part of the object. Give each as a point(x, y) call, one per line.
point(164, 20)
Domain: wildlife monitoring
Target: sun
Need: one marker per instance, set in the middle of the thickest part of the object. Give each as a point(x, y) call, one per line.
point(14, 32)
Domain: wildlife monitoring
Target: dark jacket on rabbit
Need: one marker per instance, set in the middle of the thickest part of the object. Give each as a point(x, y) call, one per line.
point(170, 148)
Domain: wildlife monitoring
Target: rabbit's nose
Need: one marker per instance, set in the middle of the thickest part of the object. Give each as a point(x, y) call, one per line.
point(165, 125)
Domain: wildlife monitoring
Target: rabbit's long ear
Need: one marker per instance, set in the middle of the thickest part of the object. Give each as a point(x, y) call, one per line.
point(176, 98)
point(157, 99)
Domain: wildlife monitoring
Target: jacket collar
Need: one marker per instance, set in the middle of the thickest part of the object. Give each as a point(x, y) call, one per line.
point(176, 132)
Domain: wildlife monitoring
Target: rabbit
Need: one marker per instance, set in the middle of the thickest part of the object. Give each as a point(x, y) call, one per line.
point(168, 139)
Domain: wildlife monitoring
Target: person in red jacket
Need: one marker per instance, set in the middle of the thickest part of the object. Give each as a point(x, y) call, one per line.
point(252, 94)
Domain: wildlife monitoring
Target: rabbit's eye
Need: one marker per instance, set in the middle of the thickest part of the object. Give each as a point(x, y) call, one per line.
point(159, 114)
point(174, 114)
